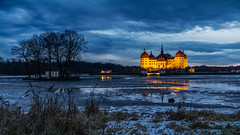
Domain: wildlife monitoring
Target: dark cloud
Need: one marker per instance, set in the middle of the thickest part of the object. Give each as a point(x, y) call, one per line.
point(19, 19)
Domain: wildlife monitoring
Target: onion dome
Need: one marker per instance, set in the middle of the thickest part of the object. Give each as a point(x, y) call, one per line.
point(180, 54)
point(151, 56)
point(144, 55)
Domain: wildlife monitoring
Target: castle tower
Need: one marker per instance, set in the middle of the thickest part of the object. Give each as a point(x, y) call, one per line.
point(180, 59)
point(144, 60)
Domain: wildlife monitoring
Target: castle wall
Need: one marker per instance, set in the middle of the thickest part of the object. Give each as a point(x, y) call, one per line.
point(170, 63)
point(180, 62)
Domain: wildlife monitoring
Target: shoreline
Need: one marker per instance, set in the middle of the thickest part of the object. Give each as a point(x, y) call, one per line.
point(117, 73)
point(168, 74)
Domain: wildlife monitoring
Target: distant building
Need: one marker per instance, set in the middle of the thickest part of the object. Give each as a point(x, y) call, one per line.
point(192, 70)
point(163, 61)
point(106, 71)
point(54, 74)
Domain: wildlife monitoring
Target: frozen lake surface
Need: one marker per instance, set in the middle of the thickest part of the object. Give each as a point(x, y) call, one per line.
point(124, 92)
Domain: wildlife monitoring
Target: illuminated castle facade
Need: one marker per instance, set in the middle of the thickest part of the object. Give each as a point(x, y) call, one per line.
point(163, 61)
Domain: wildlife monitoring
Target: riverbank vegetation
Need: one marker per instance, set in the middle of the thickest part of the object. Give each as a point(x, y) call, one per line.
point(18, 67)
point(56, 113)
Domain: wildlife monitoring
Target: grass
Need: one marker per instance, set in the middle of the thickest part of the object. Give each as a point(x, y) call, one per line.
point(204, 114)
point(199, 125)
point(176, 127)
point(52, 114)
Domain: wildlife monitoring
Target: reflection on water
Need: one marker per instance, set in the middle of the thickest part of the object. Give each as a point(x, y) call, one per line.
point(105, 78)
point(165, 82)
point(173, 88)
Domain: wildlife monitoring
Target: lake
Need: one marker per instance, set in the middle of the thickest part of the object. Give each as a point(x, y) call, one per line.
point(125, 92)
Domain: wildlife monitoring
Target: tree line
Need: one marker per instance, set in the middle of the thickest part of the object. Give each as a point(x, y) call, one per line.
point(51, 49)
point(18, 67)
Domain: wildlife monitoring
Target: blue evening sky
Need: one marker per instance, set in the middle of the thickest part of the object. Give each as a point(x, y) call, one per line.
point(118, 30)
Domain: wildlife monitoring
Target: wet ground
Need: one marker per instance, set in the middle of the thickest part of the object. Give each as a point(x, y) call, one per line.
point(133, 93)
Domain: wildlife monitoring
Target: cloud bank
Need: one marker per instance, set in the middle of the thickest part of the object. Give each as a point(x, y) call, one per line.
point(118, 31)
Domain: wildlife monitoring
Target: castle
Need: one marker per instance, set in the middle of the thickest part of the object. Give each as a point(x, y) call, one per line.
point(163, 61)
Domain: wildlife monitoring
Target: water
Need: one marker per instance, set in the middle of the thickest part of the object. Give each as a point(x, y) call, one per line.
point(124, 92)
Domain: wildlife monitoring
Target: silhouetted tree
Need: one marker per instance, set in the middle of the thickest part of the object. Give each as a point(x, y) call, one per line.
point(49, 41)
point(73, 45)
point(36, 47)
point(22, 51)
point(58, 51)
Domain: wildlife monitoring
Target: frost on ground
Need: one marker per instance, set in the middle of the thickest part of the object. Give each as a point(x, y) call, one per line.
point(175, 122)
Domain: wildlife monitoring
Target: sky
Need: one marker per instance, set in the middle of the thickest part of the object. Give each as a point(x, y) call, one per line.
point(118, 30)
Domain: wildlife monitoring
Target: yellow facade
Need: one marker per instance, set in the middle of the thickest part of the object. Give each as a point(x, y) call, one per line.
point(163, 61)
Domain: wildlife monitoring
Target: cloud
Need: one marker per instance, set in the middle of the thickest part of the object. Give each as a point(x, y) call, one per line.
point(135, 23)
point(191, 53)
point(197, 34)
point(231, 50)
point(105, 32)
point(121, 29)
point(111, 58)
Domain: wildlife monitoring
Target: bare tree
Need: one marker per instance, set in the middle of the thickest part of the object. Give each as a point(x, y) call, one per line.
point(37, 50)
point(49, 41)
point(58, 51)
point(22, 51)
point(74, 44)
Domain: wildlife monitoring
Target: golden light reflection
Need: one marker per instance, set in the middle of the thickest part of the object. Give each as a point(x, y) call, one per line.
point(165, 82)
point(181, 85)
point(105, 78)
point(166, 88)
point(170, 88)
point(174, 88)
point(148, 74)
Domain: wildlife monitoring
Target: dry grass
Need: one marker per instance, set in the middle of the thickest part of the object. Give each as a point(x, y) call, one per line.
point(208, 115)
point(120, 116)
point(177, 128)
point(52, 114)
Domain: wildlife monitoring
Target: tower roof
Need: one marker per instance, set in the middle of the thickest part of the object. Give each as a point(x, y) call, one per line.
point(151, 56)
point(144, 54)
point(180, 53)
